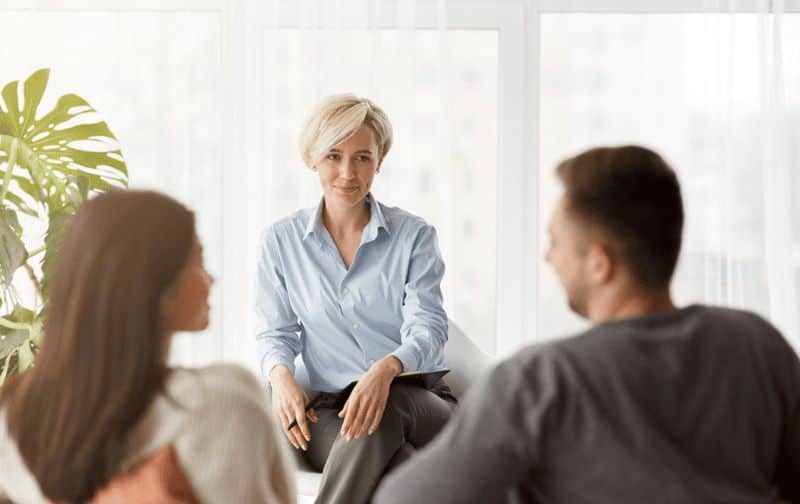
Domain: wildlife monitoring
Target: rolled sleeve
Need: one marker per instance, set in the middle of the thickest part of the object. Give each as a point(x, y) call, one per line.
point(408, 356)
point(424, 329)
point(278, 331)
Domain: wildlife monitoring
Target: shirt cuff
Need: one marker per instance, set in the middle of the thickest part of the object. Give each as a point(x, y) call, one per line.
point(408, 356)
point(271, 361)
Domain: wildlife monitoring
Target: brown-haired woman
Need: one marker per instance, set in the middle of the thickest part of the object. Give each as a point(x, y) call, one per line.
point(101, 397)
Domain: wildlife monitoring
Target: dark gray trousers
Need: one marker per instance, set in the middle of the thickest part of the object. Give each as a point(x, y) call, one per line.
point(352, 470)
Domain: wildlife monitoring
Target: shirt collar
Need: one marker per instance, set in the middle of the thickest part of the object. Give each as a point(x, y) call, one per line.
point(315, 223)
point(377, 221)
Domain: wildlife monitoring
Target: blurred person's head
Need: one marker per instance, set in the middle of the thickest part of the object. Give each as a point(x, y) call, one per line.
point(129, 273)
point(345, 141)
point(616, 232)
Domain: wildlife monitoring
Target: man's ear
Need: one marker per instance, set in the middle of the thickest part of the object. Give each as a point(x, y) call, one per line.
point(602, 263)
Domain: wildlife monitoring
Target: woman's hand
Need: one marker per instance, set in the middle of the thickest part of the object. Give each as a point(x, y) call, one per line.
point(289, 401)
point(364, 408)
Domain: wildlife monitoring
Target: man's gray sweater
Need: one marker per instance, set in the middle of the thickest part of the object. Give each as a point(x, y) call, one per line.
point(699, 405)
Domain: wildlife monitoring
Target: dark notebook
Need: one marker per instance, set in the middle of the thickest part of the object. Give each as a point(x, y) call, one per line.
point(425, 379)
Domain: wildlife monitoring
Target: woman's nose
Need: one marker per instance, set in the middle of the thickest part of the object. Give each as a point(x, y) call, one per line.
point(347, 170)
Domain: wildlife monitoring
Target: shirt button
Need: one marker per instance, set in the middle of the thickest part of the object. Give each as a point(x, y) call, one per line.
point(345, 290)
point(355, 326)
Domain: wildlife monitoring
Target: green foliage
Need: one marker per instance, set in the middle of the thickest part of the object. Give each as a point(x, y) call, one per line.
point(12, 250)
point(48, 167)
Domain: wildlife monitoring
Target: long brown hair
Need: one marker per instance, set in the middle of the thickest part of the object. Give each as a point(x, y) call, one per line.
point(103, 357)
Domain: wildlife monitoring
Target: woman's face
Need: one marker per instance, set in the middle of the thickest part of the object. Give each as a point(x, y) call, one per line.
point(346, 171)
point(185, 306)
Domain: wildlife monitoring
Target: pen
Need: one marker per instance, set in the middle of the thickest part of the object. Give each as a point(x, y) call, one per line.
point(310, 405)
point(343, 395)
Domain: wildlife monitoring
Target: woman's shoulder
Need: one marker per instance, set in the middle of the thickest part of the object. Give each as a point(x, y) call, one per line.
point(215, 383)
point(209, 413)
point(228, 398)
point(403, 220)
point(197, 400)
point(293, 224)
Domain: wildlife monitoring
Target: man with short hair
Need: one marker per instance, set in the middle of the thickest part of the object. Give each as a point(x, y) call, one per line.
point(652, 404)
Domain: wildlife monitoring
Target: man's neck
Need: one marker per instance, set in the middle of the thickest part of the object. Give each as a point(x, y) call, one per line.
point(631, 303)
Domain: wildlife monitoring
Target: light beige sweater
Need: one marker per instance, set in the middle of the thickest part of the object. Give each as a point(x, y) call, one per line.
point(224, 434)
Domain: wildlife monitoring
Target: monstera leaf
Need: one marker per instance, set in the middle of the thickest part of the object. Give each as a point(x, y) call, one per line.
point(12, 250)
point(17, 331)
point(52, 148)
point(50, 163)
point(11, 340)
point(59, 221)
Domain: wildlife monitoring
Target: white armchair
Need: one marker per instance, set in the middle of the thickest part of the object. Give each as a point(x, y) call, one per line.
point(465, 361)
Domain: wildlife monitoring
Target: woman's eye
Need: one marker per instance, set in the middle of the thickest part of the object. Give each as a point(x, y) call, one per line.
point(363, 159)
point(333, 157)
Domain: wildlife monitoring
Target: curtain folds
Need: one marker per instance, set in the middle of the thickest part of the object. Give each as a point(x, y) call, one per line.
point(714, 92)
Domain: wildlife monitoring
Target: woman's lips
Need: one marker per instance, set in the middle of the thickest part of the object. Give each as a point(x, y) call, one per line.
point(347, 189)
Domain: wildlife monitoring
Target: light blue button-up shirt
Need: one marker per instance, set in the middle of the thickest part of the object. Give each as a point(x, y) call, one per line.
point(342, 321)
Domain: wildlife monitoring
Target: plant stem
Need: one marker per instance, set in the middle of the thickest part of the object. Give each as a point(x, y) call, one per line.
point(14, 294)
point(13, 325)
point(32, 276)
point(12, 161)
point(37, 251)
point(6, 364)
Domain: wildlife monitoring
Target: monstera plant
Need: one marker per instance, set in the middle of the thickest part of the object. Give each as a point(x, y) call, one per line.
point(50, 163)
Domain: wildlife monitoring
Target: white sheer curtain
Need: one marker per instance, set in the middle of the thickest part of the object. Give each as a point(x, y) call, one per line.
point(208, 97)
point(716, 94)
point(160, 91)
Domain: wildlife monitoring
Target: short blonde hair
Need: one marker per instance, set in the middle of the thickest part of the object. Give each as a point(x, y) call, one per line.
point(335, 119)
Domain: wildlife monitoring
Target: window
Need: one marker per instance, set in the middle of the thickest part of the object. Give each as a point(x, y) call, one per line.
point(695, 87)
point(159, 90)
point(208, 97)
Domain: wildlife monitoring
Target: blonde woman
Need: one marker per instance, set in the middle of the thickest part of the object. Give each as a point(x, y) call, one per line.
point(353, 286)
